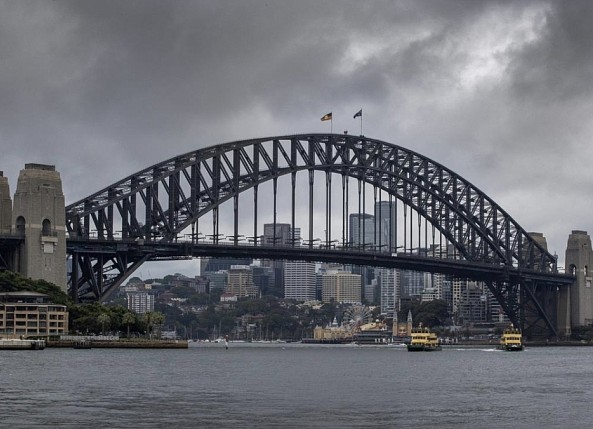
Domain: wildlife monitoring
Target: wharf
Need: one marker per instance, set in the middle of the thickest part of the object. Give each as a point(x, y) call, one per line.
point(19, 344)
point(123, 344)
point(327, 340)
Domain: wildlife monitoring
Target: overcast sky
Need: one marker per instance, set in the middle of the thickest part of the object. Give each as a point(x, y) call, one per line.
point(499, 92)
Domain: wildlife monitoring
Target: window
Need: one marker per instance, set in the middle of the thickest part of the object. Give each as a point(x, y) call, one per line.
point(20, 225)
point(46, 227)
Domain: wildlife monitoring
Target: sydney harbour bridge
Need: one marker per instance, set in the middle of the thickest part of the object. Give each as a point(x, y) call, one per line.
point(214, 202)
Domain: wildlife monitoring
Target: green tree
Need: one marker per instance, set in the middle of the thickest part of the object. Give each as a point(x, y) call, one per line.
point(430, 313)
point(127, 319)
point(103, 320)
point(159, 319)
point(14, 282)
point(152, 319)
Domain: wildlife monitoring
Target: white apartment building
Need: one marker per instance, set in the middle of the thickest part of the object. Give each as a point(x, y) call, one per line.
point(299, 280)
point(390, 290)
point(140, 302)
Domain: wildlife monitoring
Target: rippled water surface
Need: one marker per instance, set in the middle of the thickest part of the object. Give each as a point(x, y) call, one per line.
point(296, 385)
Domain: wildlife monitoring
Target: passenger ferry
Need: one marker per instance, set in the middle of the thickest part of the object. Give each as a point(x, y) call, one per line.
point(511, 340)
point(423, 341)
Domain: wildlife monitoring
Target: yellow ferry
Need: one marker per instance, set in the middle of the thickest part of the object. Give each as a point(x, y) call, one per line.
point(511, 340)
point(423, 341)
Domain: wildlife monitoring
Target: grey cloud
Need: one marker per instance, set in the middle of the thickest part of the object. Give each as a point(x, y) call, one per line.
point(106, 88)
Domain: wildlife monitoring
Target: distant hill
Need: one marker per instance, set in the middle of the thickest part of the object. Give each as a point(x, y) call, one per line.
point(13, 282)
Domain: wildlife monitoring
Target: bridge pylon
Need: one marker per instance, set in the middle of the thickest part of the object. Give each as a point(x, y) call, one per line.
point(5, 206)
point(579, 262)
point(39, 217)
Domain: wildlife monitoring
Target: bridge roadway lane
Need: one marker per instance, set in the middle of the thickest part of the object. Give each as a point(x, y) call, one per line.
point(136, 250)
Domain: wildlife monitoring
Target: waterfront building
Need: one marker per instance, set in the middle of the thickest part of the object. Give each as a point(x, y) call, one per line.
point(299, 280)
point(341, 287)
point(27, 313)
point(332, 332)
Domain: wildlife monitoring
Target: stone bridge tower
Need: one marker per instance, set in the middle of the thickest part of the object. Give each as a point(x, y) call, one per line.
point(579, 261)
point(39, 216)
point(561, 306)
point(5, 206)
point(6, 252)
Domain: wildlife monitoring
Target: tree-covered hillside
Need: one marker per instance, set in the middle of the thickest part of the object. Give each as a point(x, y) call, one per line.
point(13, 282)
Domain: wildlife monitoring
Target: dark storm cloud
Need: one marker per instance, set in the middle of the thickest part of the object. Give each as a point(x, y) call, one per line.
point(497, 91)
point(556, 67)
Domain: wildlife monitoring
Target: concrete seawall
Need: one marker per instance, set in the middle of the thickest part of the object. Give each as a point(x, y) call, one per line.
point(123, 344)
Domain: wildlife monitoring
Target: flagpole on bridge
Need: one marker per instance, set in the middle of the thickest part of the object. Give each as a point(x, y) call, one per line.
point(356, 115)
point(329, 117)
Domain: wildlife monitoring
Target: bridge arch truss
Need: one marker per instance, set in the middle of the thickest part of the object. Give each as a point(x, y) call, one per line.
point(175, 203)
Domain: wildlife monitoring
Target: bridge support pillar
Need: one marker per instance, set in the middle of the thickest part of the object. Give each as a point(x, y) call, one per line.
point(563, 322)
point(579, 261)
point(39, 216)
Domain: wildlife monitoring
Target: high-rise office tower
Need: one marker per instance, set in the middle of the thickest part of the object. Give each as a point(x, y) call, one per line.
point(385, 219)
point(279, 235)
point(362, 230)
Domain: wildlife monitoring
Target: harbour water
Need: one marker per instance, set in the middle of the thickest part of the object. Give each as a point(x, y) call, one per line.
point(296, 386)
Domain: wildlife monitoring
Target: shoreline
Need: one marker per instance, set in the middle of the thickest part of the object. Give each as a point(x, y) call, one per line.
point(121, 344)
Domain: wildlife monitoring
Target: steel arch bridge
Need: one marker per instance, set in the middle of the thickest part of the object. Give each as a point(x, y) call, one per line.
point(433, 220)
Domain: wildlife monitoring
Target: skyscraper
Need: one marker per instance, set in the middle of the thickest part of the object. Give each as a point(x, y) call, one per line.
point(390, 290)
point(279, 235)
point(362, 230)
point(386, 226)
